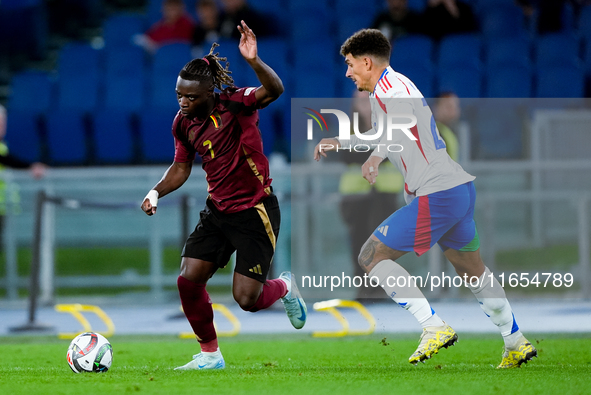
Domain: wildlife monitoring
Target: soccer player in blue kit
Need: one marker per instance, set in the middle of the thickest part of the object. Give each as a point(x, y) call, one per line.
point(440, 198)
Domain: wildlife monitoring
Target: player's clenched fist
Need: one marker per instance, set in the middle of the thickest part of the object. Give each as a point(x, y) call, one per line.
point(150, 202)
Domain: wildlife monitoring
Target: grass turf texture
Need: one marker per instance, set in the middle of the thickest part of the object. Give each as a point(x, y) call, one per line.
point(298, 364)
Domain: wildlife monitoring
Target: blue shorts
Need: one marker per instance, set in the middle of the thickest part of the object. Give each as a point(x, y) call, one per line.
point(445, 217)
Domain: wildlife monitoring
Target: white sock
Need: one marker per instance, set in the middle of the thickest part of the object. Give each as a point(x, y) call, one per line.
point(407, 294)
point(491, 297)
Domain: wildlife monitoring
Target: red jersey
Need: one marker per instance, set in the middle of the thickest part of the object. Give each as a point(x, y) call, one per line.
point(229, 143)
point(180, 31)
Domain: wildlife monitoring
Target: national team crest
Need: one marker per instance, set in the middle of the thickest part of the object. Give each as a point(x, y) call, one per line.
point(216, 119)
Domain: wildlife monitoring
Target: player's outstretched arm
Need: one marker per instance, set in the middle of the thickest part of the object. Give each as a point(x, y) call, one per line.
point(369, 169)
point(173, 178)
point(271, 86)
point(330, 144)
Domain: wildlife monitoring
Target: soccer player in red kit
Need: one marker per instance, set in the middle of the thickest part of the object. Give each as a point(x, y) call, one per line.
point(241, 212)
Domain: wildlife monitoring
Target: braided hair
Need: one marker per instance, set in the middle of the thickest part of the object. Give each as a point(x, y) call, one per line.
point(209, 68)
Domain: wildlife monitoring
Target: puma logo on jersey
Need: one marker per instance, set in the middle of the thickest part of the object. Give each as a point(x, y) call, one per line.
point(256, 270)
point(383, 230)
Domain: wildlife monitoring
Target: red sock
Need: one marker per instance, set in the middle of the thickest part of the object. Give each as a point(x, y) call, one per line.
point(197, 307)
point(272, 291)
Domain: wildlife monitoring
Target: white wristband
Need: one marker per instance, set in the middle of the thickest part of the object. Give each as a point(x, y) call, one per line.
point(152, 196)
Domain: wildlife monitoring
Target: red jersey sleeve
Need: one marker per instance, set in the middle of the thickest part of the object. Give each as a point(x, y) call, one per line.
point(183, 151)
point(244, 96)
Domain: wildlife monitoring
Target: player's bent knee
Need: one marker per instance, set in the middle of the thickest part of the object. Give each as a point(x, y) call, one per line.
point(246, 301)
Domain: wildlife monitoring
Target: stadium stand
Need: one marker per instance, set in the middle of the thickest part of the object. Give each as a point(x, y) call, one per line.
point(514, 51)
point(502, 21)
point(465, 80)
point(507, 58)
point(125, 77)
point(460, 49)
point(22, 135)
point(79, 77)
point(156, 142)
point(29, 82)
point(66, 138)
point(506, 80)
point(119, 29)
point(560, 81)
point(113, 137)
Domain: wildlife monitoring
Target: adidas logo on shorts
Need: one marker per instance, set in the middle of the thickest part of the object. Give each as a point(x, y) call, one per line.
point(256, 269)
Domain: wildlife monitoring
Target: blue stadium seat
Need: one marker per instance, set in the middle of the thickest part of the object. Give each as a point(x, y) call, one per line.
point(166, 64)
point(560, 81)
point(414, 47)
point(585, 31)
point(66, 138)
point(125, 60)
point(171, 56)
point(125, 79)
point(28, 84)
point(514, 51)
point(79, 77)
point(274, 52)
point(316, 83)
point(126, 93)
point(316, 55)
point(460, 49)
point(413, 56)
point(421, 74)
point(418, 66)
point(465, 81)
point(156, 140)
point(298, 6)
point(153, 12)
point(349, 24)
point(362, 8)
point(311, 25)
point(568, 17)
point(162, 90)
point(113, 137)
point(275, 12)
point(119, 29)
point(22, 135)
point(509, 81)
point(584, 24)
point(484, 6)
point(502, 21)
point(558, 49)
point(587, 57)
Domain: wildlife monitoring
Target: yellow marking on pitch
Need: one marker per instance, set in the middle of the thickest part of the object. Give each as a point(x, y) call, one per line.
point(330, 306)
point(76, 310)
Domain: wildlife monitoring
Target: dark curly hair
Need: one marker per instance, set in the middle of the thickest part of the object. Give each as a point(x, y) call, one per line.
point(368, 42)
point(209, 69)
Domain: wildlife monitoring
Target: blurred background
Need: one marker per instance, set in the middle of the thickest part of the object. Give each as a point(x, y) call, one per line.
point(88, 87)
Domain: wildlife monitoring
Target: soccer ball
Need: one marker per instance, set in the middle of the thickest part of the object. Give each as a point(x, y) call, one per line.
point(90, 352)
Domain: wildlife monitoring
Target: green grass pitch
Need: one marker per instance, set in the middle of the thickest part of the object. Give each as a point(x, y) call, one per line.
point(299, 364)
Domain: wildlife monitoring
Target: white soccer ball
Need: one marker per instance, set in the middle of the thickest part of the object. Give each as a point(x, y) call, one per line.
point(90, 352)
